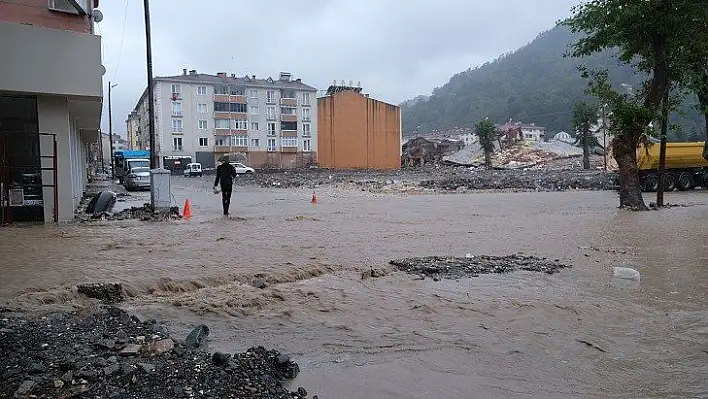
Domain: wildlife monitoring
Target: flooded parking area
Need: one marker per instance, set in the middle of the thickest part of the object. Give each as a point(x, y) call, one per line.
point(579, 332)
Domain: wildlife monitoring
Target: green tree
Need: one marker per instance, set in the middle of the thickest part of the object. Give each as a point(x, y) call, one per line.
point(486, 131)
point(584, 116)
point(646, 33)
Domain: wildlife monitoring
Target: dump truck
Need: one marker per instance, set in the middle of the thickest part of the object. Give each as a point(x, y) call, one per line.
point(685, 166)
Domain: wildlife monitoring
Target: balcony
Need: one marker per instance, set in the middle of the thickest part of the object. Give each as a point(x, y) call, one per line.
point(221, 98)
point(271, 118)
point(289, 102)
point(270, 100)
point(288, 149)
point(241, 99)
point(288, 118)
point(233, 148)
point(288, 133)
point(177, 113)
point(306, 119)
point(221, 115)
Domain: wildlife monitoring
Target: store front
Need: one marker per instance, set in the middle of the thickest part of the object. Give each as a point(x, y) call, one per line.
point(21, 188)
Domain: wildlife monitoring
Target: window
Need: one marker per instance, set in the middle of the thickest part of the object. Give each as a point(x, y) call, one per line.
point(202, 108)
point(306, 145)
point(177, 126)
point(272, 128)
point(253, 93)
point(220, 89)
point(306, 129)
point(236, 90)
point(177, 89)
point(239, 141)
point(177, 143)
point(289, 142)
point(219, 142)
point(306, 114)
point(270, 96)
point(254, 125)
point(204, 142)
point(253, 110)
point(221, 107)
point(287, 111)
point(239, 124)
point(64, 6)
point(202, 124)
point(305, 98)
point(270, 112)
point(291, 126)
point(176, 107)
point(255, 143)
point(289, 93)
point(271, 145)
point(221, 123)
point(201, 90)
point(238, 107)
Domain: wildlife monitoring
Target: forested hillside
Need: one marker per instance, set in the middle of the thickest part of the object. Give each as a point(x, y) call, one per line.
point(533, 84)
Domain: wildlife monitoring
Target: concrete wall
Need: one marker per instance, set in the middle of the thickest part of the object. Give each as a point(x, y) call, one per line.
point(49, 61)
point(55, 117)
point(358, 132)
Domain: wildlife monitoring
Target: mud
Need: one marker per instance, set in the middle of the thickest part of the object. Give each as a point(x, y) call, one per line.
point(105, 353)
point(387, 334)
point(453, 268)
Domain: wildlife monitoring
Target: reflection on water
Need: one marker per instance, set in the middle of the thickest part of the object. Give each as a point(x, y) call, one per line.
point(579, 332)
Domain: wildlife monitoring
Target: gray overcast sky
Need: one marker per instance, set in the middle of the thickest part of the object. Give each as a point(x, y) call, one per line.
point(397, 49)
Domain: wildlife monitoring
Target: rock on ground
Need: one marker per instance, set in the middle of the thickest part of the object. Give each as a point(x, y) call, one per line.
point(106, 292)
point(105, 353)
point(472, 266)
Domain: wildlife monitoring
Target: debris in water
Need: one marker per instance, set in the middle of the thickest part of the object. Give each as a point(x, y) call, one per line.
point(590, 344)
point(73, 366)
point(453, 268)
point(626, 273)
point(109, 293)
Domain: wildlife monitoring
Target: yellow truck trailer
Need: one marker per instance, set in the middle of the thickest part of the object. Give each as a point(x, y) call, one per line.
point(685, 166)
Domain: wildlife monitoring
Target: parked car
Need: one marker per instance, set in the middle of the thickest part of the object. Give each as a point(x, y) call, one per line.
point(241, 168)
point(137, 179)
point(192, 169)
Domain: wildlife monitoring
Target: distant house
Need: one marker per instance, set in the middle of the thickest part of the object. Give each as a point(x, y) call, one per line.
point(517, 131)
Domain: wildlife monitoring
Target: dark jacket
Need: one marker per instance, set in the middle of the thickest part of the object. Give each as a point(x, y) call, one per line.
point(225, 174)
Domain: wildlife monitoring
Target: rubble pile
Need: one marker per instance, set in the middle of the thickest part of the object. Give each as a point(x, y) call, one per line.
point(145, 213)
point(108, 354)
point(554, 180)
point(439, 267)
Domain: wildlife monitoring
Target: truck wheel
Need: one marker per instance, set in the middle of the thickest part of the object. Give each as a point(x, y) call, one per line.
point(651, 184)
point(669, 182)
point(685, 182)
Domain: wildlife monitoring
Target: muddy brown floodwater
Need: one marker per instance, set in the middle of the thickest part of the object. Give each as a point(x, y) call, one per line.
point(576, 333)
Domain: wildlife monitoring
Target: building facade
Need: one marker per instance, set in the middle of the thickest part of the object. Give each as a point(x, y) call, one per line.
point(273, 122)
point(132, 128)
point(50, 106)
point(357, 132)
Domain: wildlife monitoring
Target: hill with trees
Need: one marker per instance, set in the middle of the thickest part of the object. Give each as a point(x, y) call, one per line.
point(534, 84)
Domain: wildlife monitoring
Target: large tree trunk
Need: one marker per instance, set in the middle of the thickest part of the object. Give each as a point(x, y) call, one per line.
point(488, 159)
point(586, 151)
point(630, 192)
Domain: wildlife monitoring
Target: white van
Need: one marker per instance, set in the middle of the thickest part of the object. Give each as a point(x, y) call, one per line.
point(192, 169)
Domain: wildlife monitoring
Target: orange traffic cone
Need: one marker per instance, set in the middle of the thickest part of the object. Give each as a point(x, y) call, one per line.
point(314, 198)
point(187, 209)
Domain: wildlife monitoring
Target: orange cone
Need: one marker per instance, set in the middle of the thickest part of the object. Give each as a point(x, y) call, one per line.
point(314, 198)
point(187, 209)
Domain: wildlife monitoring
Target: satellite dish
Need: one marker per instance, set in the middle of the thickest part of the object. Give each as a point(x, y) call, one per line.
point(97, 15)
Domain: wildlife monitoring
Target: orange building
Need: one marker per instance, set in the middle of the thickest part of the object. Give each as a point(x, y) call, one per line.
point(357, 132)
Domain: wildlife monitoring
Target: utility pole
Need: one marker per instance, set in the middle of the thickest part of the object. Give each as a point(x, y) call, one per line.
point(110, 128)
point(100, 149)
point(662, 146)
point(154, 162)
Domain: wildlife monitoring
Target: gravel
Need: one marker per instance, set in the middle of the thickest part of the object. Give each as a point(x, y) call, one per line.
point(440, 267)
point(105, 353)
point(437, 179)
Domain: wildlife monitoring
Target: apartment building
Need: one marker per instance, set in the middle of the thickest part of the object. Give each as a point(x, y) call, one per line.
point(132, 128)
point(273, 122)
point(50, 106)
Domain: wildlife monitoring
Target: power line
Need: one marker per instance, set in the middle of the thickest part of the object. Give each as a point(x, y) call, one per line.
point(122, 36)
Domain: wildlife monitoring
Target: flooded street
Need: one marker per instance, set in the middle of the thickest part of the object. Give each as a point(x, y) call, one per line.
point(579, 332)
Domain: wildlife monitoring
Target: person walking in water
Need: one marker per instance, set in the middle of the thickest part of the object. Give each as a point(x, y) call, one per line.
point(225, 174)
